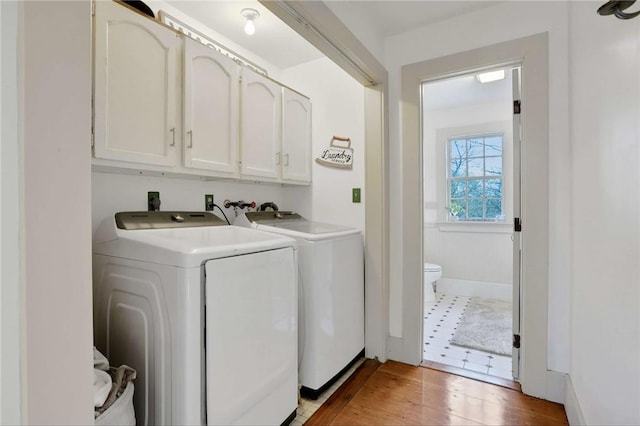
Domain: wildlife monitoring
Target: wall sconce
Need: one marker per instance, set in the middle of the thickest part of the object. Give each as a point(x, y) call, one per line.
point(250, 15)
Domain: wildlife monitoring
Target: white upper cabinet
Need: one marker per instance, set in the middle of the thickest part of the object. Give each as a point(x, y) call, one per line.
point(135, 87)
point(211, 110)
point(157, 93)
point(296, 137)
point(260, 128)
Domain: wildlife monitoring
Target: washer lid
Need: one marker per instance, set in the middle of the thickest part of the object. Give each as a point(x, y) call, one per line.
point(183, 247)
point(292, 224)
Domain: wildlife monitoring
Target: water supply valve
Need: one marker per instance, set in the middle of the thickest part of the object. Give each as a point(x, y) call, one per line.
point(239, 204)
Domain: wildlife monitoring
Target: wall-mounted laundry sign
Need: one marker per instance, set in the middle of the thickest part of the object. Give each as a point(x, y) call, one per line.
point(339, 154)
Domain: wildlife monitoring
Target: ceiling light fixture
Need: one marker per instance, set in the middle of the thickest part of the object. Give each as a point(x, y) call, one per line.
point(490, 76)
point(250, 15)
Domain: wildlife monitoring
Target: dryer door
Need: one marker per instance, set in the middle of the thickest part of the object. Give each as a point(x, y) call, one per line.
point(251, 338)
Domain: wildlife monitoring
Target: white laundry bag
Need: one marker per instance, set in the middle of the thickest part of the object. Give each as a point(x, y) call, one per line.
point(121, 412)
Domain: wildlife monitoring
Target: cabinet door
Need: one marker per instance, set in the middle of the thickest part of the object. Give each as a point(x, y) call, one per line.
point(260, 128)
point(135, 87)
point(211, 111)
point(296, 137)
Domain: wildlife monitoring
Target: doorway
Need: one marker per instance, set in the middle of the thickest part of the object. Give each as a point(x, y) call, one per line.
point(532, 52)
point(471, 195)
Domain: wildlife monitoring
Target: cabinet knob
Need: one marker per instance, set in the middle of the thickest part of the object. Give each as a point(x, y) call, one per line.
point(173, 136)
point(190, 133)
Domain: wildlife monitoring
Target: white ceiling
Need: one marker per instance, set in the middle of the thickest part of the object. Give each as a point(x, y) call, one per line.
point(281, 46)
point(273, 41)
point(398, 16)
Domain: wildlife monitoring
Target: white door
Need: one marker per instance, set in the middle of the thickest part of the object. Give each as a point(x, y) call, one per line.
point(517, 243)
point(260, 127)
point(296, 137)
point(211, 112)
point(135, 87)
point(251, 338)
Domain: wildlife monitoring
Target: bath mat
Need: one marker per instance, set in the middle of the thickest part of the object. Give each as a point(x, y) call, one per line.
point(486, 324)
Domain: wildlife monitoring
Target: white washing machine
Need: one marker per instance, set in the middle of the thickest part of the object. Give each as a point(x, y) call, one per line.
point(331, 264)
point(205, 312)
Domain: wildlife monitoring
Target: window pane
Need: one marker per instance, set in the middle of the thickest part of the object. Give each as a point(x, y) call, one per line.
point(457, 167)
point(457, 189)
point(475, 188)
point(457, 148)
point(475, 178)
point(476, 167)
point(493, 188)
point(494, 209)
point(493, 166)
point(475, 208)
point(493, 145)
point(476, 148)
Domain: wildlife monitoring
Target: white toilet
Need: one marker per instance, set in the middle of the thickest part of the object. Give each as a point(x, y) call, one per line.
point(432, 273)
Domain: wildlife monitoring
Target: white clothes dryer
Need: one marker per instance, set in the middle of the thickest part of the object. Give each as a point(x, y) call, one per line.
point(331, 265)
point(205, 312)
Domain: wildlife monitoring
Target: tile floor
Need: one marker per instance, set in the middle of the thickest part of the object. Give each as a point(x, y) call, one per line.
point(307, 407)
point(440, 321)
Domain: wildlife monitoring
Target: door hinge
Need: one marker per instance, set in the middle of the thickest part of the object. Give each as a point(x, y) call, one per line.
point(516, 341)
point(516, 107)
point(517, 224)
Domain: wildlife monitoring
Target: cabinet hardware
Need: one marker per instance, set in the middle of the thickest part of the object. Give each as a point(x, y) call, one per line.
point(190, 133)
point(173, 136)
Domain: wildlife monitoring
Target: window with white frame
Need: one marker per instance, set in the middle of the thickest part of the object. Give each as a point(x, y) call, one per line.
point(474, 178)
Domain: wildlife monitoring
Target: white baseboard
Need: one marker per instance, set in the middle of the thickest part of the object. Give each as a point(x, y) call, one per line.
point(457, 287)
point(572, 406)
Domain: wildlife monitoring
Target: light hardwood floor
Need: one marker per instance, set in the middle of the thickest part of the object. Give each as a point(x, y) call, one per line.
point(398, 394)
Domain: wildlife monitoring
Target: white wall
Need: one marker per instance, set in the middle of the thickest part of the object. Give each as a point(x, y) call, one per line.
point(605, 231)
point(337, 110)
point(10, 208)
point(56, 137)
point(113, 192)
point(506, 21)
point(472, 256)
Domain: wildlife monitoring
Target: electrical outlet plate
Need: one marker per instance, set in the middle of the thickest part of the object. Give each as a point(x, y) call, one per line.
point(150, 196)
point(208, 202)
point(355, 195)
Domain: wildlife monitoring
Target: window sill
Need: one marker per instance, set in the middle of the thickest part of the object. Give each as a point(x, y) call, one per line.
point(474, 227)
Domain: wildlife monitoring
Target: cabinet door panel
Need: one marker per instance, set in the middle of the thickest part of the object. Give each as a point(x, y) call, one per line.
point(135, 83)
point(211, 109)
point(260, 126)
point(296, 137)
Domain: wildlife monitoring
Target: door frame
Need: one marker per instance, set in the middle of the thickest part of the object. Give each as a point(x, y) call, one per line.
point(532, 53)
point(515, 196)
